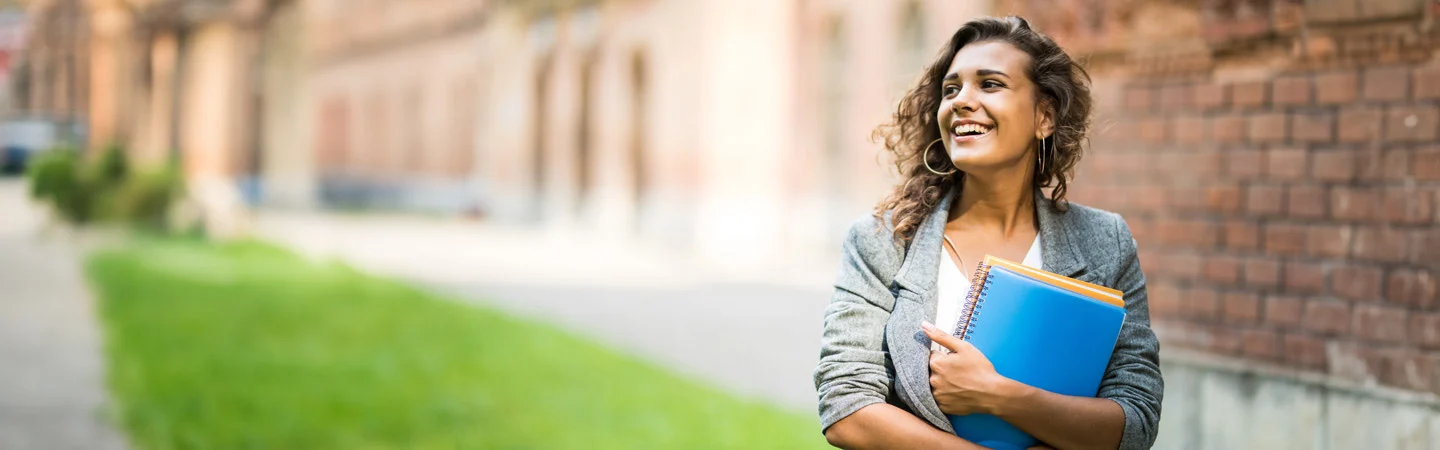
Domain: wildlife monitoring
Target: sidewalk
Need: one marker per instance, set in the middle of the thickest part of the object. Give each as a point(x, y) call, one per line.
point(52, 391)
point(755, 332)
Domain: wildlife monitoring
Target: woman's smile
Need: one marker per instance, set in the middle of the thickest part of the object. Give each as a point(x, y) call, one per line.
point(965, 131)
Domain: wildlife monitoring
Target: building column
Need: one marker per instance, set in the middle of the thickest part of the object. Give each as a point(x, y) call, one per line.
point(109, 32)
point(210, 108)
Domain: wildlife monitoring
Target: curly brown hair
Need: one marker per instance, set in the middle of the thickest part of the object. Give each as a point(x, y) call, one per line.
point(1062, 85)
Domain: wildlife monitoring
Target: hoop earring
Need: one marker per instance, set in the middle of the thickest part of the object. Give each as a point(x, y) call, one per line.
point(1041, 154)
point(925, 159)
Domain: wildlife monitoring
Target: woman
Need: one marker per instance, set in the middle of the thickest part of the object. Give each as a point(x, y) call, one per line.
point(1001, 114)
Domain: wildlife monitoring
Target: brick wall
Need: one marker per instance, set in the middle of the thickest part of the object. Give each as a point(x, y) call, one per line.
point(1286, 197)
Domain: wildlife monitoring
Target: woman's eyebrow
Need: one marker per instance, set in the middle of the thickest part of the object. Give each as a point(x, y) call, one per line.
point(985, 72)
point(979, 73)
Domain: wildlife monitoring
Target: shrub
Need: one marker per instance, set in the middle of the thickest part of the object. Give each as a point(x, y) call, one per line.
point(105, 188)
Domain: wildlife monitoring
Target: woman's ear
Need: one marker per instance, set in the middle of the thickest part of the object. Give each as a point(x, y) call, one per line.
point(1045, 119)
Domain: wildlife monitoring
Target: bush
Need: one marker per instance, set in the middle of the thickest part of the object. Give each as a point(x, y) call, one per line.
point(105, 188)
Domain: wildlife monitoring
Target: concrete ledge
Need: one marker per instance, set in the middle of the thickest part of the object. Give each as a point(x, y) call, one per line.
point(1213, 402)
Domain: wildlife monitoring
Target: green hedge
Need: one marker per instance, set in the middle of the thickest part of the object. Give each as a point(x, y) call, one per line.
point(105, 188)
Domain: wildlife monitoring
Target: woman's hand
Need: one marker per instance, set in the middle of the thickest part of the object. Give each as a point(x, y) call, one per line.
point(963, 380)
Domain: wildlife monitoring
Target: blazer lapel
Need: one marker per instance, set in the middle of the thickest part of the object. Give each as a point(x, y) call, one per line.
point(1058, 249)
point(915, 302)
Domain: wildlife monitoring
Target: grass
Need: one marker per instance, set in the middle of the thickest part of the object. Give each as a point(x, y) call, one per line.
point(247, 346)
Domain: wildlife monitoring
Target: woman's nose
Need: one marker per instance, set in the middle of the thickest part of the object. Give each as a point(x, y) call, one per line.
point(964, 100)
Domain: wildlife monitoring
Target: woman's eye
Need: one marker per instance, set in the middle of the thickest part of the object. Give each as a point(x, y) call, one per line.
point(950, 90)
point(990, 84)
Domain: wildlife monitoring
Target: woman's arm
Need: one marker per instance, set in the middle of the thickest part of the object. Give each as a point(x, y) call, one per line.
point(882, 425)
point(851, 377)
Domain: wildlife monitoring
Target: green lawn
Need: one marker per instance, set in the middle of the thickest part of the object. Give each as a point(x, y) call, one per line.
point(247, 346)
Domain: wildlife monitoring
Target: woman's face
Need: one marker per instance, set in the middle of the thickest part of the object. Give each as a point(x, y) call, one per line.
point(988, 115)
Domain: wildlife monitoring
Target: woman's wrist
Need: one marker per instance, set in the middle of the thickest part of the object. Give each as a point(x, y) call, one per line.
point(1010, 395)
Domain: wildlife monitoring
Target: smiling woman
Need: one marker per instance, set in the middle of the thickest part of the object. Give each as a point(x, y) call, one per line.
point(996, 121)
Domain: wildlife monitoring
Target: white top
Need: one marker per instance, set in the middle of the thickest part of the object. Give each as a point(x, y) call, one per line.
point(953, 285)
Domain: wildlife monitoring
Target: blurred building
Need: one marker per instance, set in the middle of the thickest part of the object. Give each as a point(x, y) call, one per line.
point(1274, 158)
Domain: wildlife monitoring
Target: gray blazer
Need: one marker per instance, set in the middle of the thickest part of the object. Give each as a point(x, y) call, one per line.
point(873, 351)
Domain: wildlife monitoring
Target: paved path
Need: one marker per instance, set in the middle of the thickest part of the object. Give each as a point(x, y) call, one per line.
point(52, 393)
point(753, 331)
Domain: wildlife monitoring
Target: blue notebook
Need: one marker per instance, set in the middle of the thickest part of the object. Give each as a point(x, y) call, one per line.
point(1045, 330)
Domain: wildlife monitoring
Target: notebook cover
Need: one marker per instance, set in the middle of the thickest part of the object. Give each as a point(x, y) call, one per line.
point(1039, 334)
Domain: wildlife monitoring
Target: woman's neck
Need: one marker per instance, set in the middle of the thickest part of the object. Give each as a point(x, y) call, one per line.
point(994, 204)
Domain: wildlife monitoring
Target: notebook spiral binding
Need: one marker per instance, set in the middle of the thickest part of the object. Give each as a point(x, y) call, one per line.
point(974, 301)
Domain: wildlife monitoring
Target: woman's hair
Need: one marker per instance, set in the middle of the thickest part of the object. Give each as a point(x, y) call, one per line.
point(1062, 85)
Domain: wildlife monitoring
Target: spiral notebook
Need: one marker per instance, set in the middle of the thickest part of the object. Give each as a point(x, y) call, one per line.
point(1045, 330)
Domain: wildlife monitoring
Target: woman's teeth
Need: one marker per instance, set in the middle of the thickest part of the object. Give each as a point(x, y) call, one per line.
point(970, 129)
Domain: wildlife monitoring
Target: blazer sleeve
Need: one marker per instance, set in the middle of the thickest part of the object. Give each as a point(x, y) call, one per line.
point(852, 371)
point(1133, 377)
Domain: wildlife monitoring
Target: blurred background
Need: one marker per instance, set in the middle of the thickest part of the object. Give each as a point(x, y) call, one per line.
point(621, 169)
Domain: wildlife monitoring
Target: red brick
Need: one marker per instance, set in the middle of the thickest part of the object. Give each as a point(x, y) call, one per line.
point(1153, 130)
point(1326, 317)
point(1427, 164)
point(1286, 163)
point(1259, 343)
point(1174, 97)
point(1359, 124)
point(1425, 330)
point(1210, 96)
point(1426, 81)
point(1379, 323)
point(1350, 203)
point(1285, 239)
point(1404, 368)
point(1427, 246)
point(1408, 205)
point(1240, 235)
point(1306, 202)
point(1183, 266)
point(1386, 83)
point(1222, 270)
point(1283, 311)
point(1139, 98)
point(1328, 241)
point(1316, 127)
point(1227, 128)
point(1382, 164)
point(1264, 199)
point(1200, 165)
point(1411, 287)
point(1223, 199)
point(1201, 303)
point(1381, 243)
point(1333, 165)
point(1224, 340)
point(1353, 361)
point(1358, 283)
point(1304, 351)
point(1337, 87)
point(1164, 298)
point(1190, 129)
point(1292, 90)
point(1262, 273)
point(1245, 164)
point(1267, 127)
point(1184, 197)
point(1412, 124)
point(1304, 277)
point(1240, 307)
point(1249, 94)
